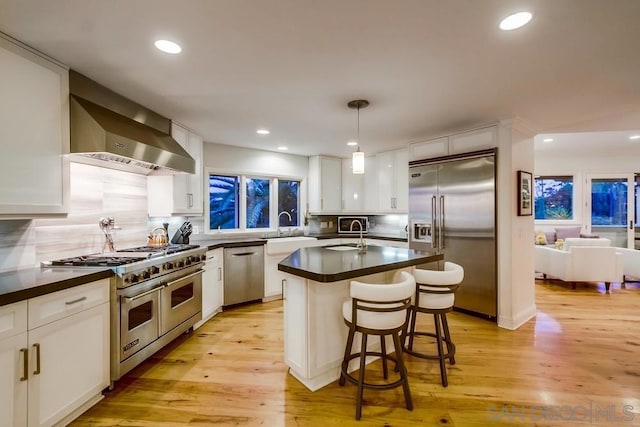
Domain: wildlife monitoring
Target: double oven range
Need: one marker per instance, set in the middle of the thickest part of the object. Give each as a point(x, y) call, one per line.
point(156, 295)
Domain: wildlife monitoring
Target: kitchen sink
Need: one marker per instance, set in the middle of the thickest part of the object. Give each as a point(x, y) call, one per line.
point(342, 248)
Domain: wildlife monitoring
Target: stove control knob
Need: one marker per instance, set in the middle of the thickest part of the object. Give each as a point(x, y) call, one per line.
point(155, 270)
point(181, 263)
point(133, 278)
point(187, 261)
point(203, 257)
point(168, 266)
point(146, 274)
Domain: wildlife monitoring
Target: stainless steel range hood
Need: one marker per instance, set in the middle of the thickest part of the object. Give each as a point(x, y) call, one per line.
point(111, 131)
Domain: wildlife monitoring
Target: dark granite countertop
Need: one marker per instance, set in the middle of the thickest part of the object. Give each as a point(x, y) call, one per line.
point(325, 265)
point(231, 242)
point(21, 285)
point(356, 236)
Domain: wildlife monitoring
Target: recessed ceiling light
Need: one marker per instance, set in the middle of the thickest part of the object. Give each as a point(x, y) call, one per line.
point(634, 137)
point(516, 20)
point(283, 148)
point(352, 143)
point(548, 140)
point(263, 132)
point(168, 46)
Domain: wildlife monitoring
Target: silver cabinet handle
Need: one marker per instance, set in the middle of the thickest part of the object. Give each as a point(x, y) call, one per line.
point(190, 199)
point(441, 230)
point(25, 366)
point(129, 300)
point(219, 273)
point(37, 347)
point(75, 301)
point(283, 282)
point(434, 234)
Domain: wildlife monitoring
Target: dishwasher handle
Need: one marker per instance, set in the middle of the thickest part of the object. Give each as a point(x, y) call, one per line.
point(244, 254)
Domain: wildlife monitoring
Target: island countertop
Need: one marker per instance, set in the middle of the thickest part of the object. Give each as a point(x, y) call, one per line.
point(323, 264)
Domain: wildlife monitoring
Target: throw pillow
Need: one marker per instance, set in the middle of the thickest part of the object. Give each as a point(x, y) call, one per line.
point(551, 237)
point(564, 232)
point(560, 244)
point(541, 238)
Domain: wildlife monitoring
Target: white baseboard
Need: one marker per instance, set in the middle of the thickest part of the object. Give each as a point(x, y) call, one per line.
point(514, 322)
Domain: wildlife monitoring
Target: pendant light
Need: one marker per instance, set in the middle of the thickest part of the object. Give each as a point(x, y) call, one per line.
point(357, 162)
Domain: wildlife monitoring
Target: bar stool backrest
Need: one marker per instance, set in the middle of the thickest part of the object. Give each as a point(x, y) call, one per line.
point(435, 289)
point(381, 306)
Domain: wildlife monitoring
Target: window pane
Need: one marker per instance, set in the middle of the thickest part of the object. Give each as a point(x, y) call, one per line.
point(288, 202)
point(257, 203)
point(224, 193)
point(609, 202)
point(554, 197)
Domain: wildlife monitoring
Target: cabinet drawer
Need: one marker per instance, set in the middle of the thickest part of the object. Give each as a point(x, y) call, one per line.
point(13, 319)
point(51, 307)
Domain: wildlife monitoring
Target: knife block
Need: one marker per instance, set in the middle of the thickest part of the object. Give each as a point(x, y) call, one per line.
point(179, 239)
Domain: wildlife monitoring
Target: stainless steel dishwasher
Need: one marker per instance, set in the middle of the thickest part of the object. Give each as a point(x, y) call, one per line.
point(243, 274)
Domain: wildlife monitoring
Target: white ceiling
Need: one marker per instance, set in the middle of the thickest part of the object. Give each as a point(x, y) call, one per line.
point(291, 66)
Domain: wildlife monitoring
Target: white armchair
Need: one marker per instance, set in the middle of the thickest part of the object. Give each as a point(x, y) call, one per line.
point(581, 260)
point(631, 262)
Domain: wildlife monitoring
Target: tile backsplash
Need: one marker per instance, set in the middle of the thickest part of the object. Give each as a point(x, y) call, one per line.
point(94, 193)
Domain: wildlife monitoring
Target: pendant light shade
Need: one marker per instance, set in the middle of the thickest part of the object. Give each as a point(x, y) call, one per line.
point(357, 161)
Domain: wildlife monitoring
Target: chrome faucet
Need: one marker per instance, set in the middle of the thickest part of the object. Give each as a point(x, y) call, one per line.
point(279, 215)
point(362, 246)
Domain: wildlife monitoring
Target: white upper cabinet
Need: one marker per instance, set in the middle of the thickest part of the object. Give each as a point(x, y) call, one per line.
point(34, 130)
point(325, 184)
point(180, 194)
point(393, 181)
point(352, 188)
point(465, 142)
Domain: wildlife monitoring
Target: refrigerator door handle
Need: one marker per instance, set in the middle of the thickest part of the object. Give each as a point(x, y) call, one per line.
point(434, 235)
point(441, 224)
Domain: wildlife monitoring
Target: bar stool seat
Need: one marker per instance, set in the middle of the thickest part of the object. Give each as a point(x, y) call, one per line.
point(377, 309)
point(434, 294)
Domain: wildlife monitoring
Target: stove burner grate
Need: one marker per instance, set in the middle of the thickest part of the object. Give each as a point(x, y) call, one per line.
point(94, 261)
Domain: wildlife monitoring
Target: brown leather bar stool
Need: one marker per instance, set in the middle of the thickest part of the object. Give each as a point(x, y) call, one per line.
point(435, 294)
point(377, 309)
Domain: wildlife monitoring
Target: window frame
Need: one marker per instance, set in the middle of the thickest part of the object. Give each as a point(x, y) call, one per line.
point(242, 203)
point(575, 199)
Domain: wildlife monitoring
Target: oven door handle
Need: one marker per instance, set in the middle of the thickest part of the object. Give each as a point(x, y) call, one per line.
point(129, 300)
point(188, 276)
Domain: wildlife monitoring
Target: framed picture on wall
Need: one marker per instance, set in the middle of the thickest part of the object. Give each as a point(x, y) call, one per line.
point(525, 193)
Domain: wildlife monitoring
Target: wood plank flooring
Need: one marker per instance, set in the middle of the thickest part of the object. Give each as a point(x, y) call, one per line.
point(576, 363)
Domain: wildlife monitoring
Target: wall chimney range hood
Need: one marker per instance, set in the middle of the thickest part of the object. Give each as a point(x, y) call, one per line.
point(111, 131)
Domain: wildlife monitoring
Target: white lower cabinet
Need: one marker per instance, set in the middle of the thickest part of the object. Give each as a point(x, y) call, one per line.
point(13, 348)
point(212, 285)
point(57, 368)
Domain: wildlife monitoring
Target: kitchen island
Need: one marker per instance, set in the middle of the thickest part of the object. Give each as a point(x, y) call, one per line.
point(316, 286)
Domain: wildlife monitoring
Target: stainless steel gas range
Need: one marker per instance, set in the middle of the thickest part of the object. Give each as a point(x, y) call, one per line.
point(156, 295)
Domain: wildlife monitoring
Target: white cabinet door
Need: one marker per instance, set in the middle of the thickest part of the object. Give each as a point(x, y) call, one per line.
point(180, 194)
point(325, 184)
point(13, 383)
point(474, 140)
point(352, 188)
point(433, 148)
point(68, 364)
point(393, 181)
point(212, 285)
point(34, 130)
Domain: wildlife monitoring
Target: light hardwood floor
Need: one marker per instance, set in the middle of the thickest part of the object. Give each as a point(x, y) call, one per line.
point(576, 363)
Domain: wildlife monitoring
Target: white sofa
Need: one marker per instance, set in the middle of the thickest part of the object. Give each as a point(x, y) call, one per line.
point(581, 260)
point(631, 262)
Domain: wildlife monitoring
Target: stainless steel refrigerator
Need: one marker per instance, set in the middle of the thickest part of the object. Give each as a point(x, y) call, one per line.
point(452, 209)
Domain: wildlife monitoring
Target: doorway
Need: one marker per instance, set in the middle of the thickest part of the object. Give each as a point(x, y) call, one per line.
point(611, 207)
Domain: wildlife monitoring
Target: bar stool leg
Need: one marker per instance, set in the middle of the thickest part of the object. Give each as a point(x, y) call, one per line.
point(412, 329)
point(383, 350)
point(360, 391)
point(347, 353)
point(447, 335)
point(443, 371)
point(403, 372)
